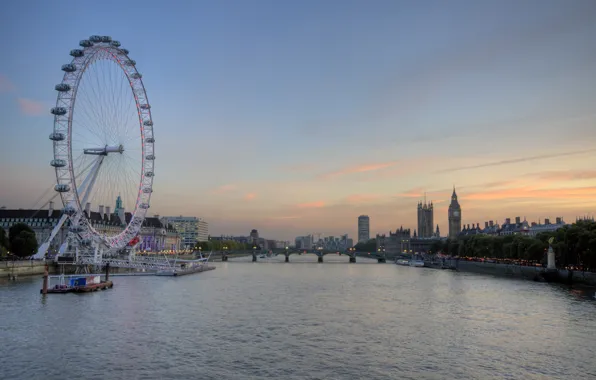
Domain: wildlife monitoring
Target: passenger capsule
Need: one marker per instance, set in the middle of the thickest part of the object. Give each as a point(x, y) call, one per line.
point(136, 76)
point(69, 210)
point(57, 136)
point(69, 68)
point(145, 106)
point(76, 229)
point(115, 43)
point(150, 140)
point(148, 123)
point(58, 163)
point(150, 157)
point(147, 190)
point(106, 39)
point(144, 206)
point(62, 188)
point(58, 111)
point(149, 174)
point(62, 87)
point(77, 53)
point(124, 51)
point(95, 38)
point(85, 43)
point(130, 62)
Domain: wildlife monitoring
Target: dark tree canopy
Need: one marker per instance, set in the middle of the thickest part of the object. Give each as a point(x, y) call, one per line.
point(573, 244)
point(218, 245)
point(16, 229)
point(24, 244)
point(3, 238)
point(369, 246)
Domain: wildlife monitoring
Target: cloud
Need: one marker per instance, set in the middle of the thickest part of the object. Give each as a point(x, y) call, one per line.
point(419, 192)
point(566, 175)
point(224, 189)
point(495, 184)
point(358, 169)
point(519, 160)
point(317, 204)
point(362, 198)
point(528, 192)
point(5, 84)
point(250, 196)
point(32, 107)
point(413, 193)
point(285, 217)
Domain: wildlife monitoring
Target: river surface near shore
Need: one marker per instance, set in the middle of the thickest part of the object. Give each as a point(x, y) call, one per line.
point(300, 320)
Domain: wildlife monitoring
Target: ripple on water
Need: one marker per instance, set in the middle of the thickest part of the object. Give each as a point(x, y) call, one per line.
point(300, 321)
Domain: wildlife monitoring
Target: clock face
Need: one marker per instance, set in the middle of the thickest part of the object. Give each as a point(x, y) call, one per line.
point(455, 213)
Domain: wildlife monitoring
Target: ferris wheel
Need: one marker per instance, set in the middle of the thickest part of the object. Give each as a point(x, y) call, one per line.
point(103, 146)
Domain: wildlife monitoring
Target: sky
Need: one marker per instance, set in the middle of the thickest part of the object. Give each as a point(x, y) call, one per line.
point(297, 117)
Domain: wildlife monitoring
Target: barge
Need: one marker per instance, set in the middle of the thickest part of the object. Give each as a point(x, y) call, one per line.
point(78, 284)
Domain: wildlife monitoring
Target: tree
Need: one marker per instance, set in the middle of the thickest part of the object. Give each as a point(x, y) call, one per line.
point(16, 229)
point(204, 245)
point(369, 246)
point(24, 244)
point(3, 242)
point(436, 246)
point(3, 238)
point(21, 240)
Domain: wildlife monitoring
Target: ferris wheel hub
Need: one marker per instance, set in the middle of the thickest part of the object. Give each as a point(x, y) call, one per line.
point(105, 150)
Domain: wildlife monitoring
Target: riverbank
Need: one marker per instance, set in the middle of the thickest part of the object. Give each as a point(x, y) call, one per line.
point(16, 269)
point(27, 268)
point(521, 272)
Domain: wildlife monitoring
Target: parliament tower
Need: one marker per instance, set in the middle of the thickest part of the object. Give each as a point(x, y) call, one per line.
point(454, 216)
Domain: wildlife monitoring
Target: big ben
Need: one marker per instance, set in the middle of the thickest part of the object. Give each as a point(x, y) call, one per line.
point(454, 216)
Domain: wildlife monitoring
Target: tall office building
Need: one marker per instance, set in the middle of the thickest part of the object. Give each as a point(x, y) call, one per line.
point(363, 228)
point(191, 229)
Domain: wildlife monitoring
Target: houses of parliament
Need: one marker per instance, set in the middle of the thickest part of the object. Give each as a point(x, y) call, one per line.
point(403, 241)
point(426, 218)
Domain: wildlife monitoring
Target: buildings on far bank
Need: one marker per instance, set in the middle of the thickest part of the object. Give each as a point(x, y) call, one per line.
point(330, 243)
point(517, 227)
point(191, 229)
point(402, 240)
point(155, 235)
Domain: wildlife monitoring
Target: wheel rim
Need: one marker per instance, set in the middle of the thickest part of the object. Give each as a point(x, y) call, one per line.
point(102, 109)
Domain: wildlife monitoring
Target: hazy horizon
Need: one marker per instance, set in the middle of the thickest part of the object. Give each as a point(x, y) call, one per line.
point(296, 118)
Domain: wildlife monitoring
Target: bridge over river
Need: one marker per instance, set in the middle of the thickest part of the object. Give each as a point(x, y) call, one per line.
point(351, 255)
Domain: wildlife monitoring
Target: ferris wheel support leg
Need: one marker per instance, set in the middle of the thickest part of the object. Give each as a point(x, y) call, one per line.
point(95, 257)
point(41, 252)
point(89, 182)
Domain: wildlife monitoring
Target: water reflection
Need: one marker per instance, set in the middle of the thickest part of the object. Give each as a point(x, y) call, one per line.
point(301, 320)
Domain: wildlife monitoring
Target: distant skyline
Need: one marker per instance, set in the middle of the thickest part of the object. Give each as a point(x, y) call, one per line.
point(297, 117)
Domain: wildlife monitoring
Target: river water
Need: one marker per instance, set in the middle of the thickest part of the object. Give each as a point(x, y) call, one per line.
point(301, 320)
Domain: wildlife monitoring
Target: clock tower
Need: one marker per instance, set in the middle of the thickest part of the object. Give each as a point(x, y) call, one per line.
point(454, 216)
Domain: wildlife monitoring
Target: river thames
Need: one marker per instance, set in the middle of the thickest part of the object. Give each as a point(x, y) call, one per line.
point(301, 320)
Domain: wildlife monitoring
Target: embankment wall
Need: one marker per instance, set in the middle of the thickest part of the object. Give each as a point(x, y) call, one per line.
point(522, 272)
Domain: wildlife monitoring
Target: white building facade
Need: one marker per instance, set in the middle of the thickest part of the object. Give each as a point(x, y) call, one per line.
point(190, 228)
